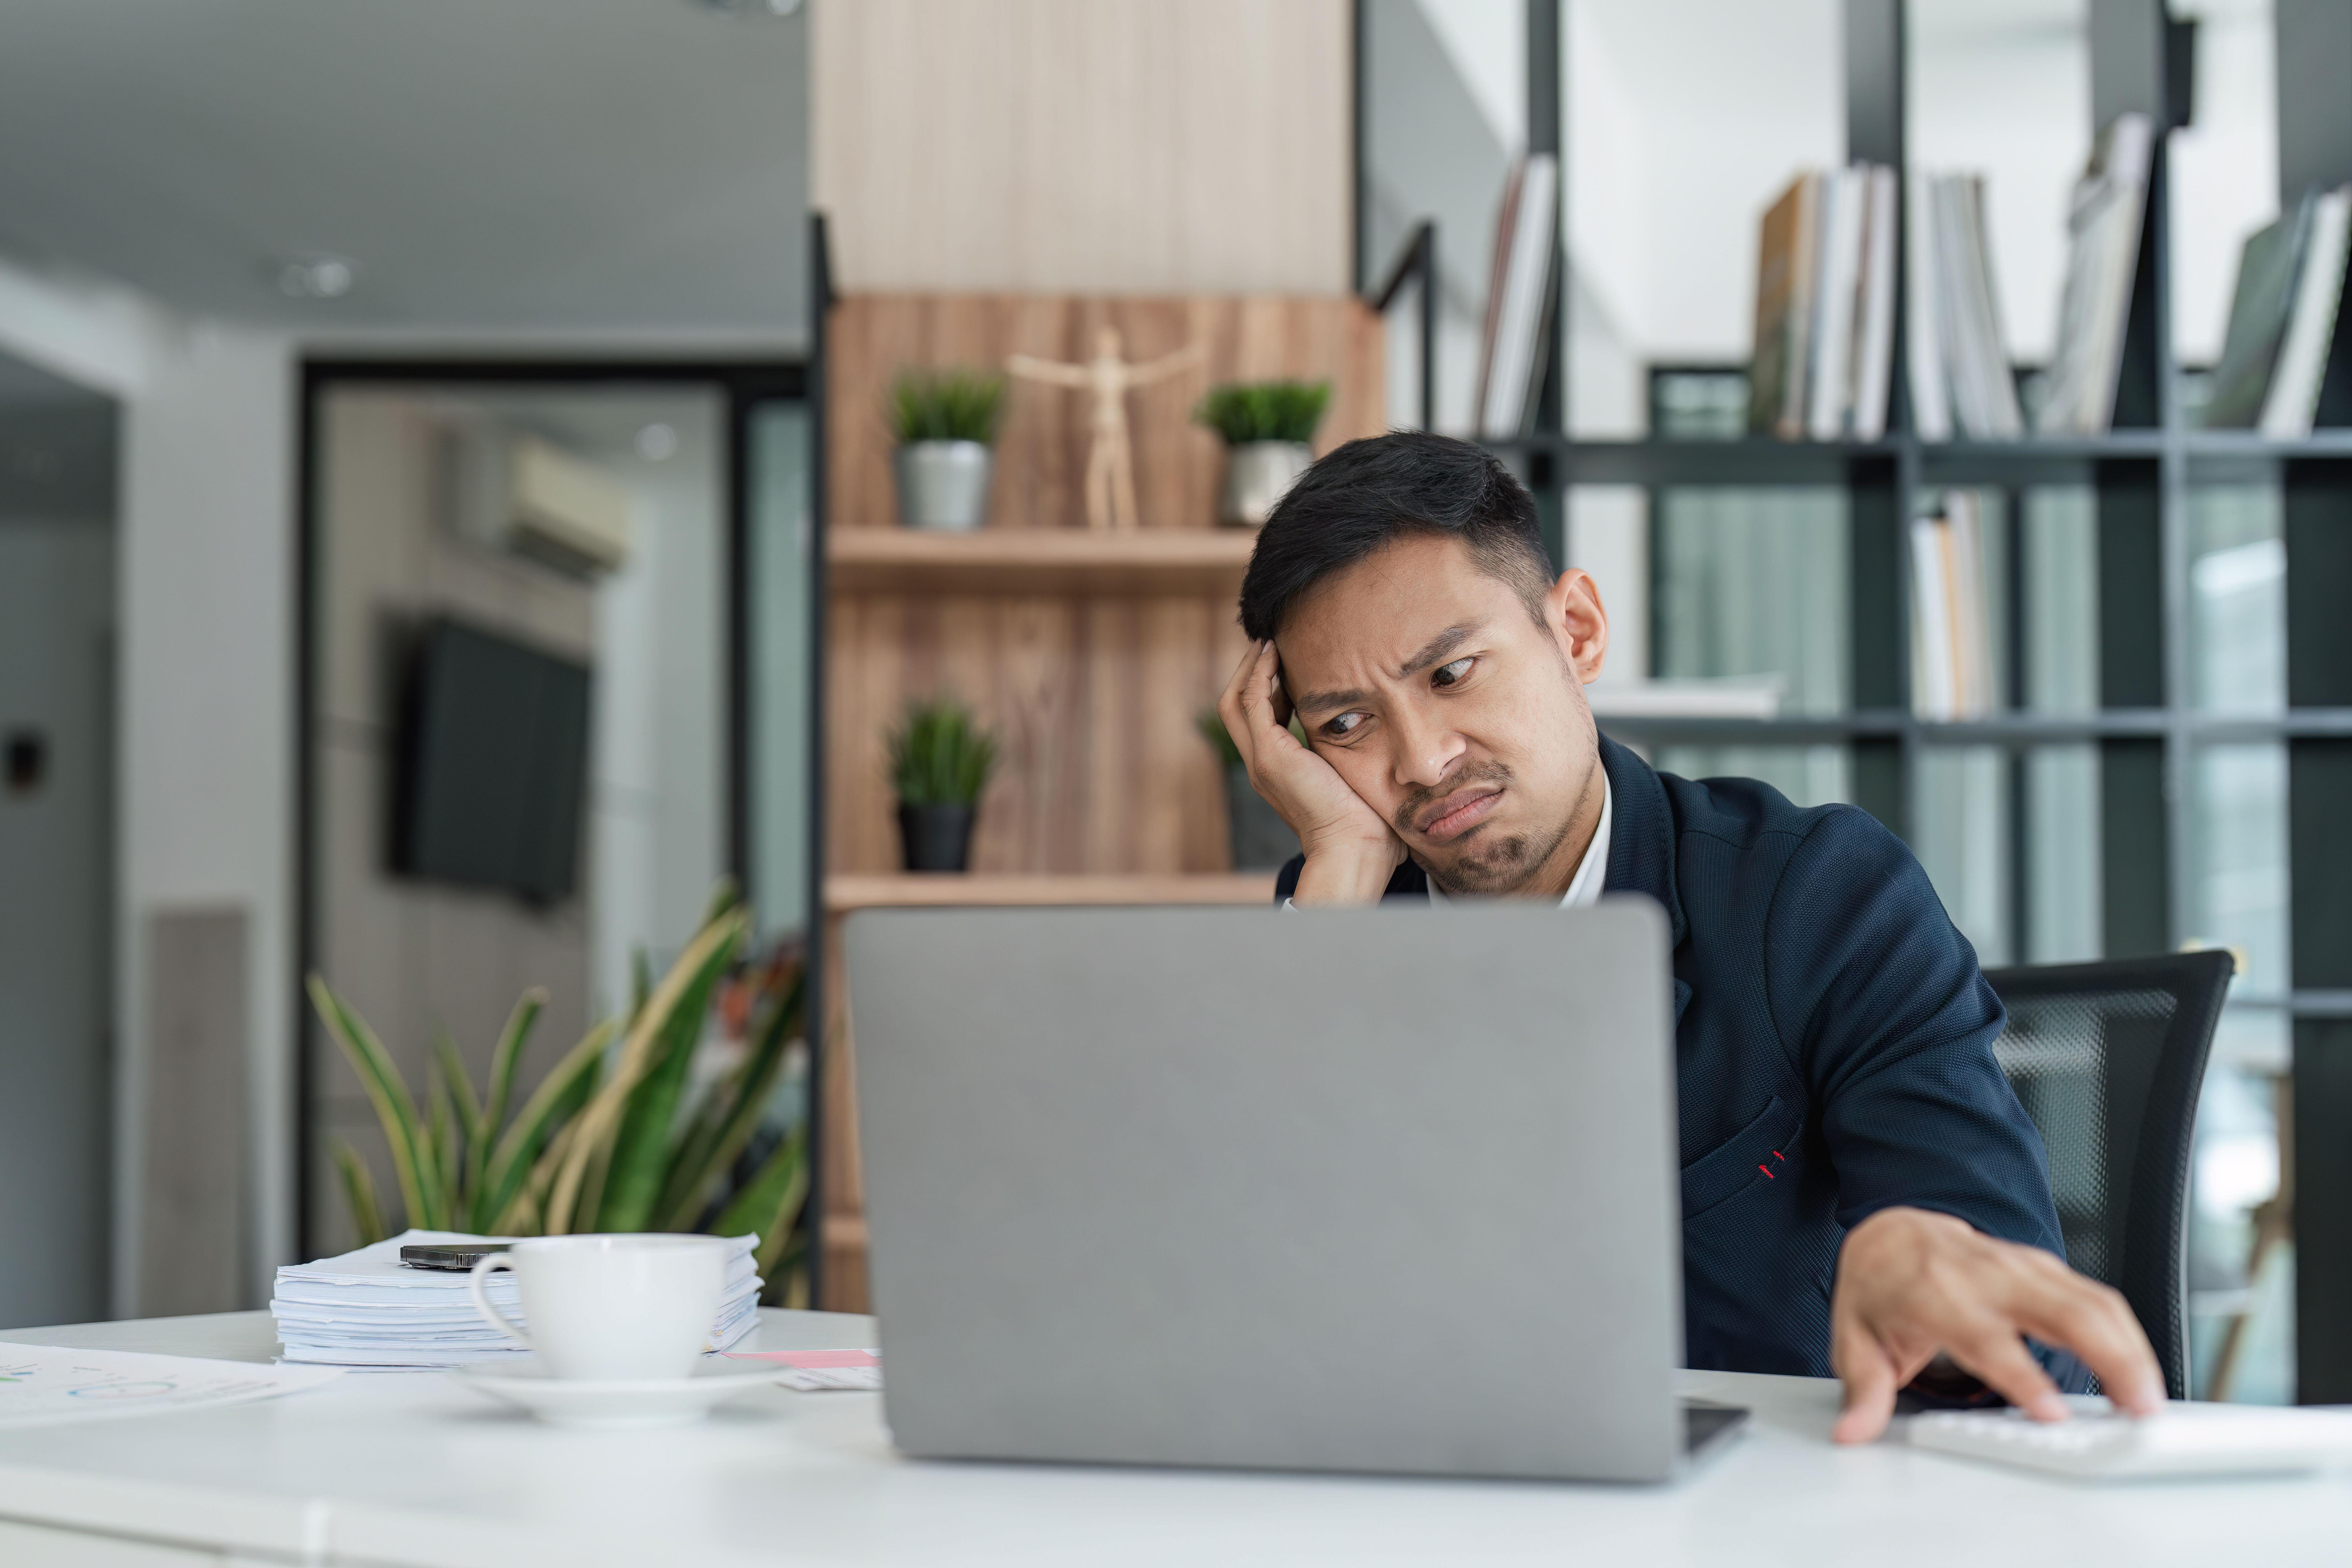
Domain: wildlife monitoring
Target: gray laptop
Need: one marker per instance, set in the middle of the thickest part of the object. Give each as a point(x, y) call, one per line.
point(1382, 1190)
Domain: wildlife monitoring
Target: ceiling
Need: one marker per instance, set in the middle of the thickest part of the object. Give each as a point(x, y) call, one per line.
point(595, 168)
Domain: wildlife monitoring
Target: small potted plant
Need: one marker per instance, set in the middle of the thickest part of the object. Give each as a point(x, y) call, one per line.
point(944, 421)
point(939, 764)
point(1261, 840)
point(1267, 427)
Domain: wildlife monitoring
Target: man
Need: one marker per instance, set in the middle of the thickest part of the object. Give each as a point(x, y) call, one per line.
point(1862, 1193)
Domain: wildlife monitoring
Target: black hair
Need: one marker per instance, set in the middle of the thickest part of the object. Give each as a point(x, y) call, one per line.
point(1366, 495)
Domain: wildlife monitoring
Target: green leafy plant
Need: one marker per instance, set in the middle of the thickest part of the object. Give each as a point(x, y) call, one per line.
point(940, 756)
point(610, 1140)
point(1242, 412)
point(1213, 729)
point(945, 405)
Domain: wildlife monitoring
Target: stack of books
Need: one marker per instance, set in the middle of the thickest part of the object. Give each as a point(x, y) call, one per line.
point(1960, 379)
point(1825, 307)
point(1951, 620)
point(1960, 358)
point(2283, 319)
point(366, 1309)
point(2102, 232)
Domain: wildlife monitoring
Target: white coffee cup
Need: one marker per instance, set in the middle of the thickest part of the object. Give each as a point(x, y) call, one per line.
point(611, 1308)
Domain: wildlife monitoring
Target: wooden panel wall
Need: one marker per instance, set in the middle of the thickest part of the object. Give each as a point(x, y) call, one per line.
point(1101, 769)
point(1112, 145)
point(1094, 694)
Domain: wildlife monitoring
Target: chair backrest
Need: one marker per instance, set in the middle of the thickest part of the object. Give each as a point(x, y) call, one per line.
point(2107, 1059)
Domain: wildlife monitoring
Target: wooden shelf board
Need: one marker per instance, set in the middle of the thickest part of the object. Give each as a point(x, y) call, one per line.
point(998, 560)
point(845, 892)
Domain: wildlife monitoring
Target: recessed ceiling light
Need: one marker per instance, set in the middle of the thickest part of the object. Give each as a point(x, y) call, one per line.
point(656, 442)
point(317, 277)
point(754, 8)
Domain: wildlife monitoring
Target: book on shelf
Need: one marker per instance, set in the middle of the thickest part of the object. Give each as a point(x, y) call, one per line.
point(1931, 400)
point(1872, 371)
point(1952, 623)
point(2291, 400)
point(2102, 237)
point(2259, 307)
point(1825, 307)
point(1838, 268)
point(1963, 383)
point(1519, 299)
point(1784, 303)
point(1689, 697)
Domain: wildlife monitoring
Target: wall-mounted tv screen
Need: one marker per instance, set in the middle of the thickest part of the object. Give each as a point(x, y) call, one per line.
point(493, 765)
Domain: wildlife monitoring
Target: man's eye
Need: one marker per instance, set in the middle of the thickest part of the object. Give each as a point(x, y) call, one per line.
point(1451, 674)
point(1342, 727)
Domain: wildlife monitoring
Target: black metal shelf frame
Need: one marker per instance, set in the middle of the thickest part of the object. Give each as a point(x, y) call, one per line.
point(2141, 474)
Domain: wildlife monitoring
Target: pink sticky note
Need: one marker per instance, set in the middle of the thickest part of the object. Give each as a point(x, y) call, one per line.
point(810, 1360)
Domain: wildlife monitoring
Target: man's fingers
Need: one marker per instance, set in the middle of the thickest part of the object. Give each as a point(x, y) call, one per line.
point(2001, 1359)
point(1869, 1375)
point(1264, 704)
point(1244, 697)
point(2097, 1325)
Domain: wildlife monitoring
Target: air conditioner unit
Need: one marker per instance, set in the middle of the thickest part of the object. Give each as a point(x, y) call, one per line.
point(519, 493)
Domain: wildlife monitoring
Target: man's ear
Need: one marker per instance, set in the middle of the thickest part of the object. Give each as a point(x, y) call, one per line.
point(1580, 626)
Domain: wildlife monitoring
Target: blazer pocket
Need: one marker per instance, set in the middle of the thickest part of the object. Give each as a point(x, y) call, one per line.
point(1758, 1151)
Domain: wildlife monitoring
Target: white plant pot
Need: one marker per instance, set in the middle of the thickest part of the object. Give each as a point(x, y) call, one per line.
point(942, 484)
point(1257, 475)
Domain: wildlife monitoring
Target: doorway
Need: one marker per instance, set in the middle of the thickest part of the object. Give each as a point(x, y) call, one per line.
point(684, 628)
point(57, 448)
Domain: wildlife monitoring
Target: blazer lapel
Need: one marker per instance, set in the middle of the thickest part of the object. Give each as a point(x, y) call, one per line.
point(1642, 844)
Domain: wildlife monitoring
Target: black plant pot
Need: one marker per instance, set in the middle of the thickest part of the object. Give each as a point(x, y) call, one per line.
point(1261, 841)
point(936, 838)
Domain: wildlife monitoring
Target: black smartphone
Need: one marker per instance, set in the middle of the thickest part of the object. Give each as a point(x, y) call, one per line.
point(457, 1257)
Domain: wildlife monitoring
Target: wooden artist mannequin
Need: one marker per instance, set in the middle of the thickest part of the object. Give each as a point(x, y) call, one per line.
point(1111, 460)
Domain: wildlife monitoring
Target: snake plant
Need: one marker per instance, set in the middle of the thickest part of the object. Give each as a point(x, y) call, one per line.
point(610, 1140)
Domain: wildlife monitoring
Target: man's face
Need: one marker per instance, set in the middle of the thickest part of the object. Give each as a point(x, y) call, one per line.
point(1445, 706)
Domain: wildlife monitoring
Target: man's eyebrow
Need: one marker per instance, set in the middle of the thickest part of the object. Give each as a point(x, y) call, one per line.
point(1430, 655)
point(1443, 642)
point(1317, 701)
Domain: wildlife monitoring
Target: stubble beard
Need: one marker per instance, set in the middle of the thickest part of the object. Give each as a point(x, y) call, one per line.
point(1486, 865)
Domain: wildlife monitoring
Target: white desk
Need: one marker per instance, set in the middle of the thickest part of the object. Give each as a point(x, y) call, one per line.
point(412, 1469)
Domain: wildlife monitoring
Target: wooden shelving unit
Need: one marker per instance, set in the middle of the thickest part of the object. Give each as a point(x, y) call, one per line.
point(1038, 560)
point(1090, 653)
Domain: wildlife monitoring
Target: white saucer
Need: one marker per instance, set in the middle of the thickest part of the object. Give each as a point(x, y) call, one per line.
point(634, 1406)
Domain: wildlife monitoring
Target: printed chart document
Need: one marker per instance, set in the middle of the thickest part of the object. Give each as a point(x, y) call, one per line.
point(40, 1384)
point(812, 1369)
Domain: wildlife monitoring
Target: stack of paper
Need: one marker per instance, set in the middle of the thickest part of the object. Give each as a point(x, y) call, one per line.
point(367, 1309)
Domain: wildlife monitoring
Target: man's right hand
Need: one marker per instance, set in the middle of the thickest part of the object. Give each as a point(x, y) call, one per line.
point(1351, 852)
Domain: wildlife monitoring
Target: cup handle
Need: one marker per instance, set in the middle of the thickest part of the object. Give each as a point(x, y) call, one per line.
point(483, 1267)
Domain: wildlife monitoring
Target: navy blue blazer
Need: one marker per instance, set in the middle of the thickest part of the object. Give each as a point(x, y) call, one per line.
point(1833, 1048)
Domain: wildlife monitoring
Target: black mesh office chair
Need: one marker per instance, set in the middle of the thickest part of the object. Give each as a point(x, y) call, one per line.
point(2108, 1058)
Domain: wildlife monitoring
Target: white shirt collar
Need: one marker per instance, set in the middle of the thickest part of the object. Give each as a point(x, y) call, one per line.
point(1592, 871)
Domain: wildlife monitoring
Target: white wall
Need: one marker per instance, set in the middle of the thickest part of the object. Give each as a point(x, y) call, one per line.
point(1675, 150)
point(205, 697)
